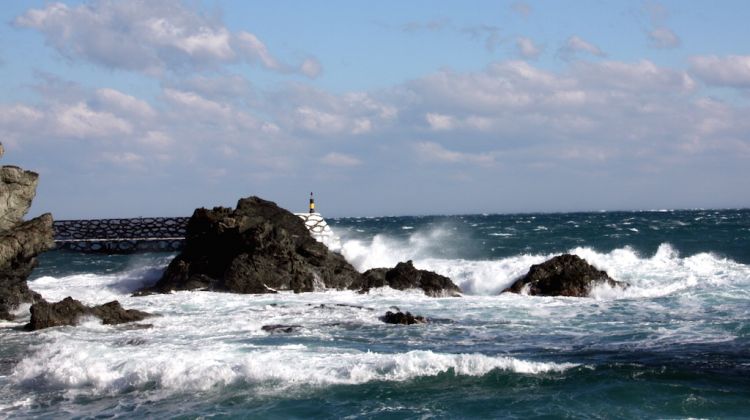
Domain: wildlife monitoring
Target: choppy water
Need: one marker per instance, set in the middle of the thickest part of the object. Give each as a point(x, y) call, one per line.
point(675, 344)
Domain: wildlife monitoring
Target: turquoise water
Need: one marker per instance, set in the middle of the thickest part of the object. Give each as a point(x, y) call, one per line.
point(675, 344)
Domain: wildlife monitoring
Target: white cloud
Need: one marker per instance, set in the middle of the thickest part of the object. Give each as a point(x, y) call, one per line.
point(440, 122)
point(151, 37)
point(527, 48)
point(663, 38)
point(256, 50)
point(731, 70)
point(197, 105)
point(317, 112)
point(575, 45)
point(128, 160)
point(311, 68)
point(340, 159)
point(80, 121)
point(435, 152)
point(118, 101)
point(643, 76)
point(157, 140)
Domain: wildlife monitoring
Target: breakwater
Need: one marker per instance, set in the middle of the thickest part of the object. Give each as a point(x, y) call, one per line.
point(116, 236)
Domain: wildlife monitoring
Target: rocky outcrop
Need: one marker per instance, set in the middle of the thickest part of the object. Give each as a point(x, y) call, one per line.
point(20, 242)
point(405, 276)
point(563, 275)
point(256, 248)
point(402, 318)
point(69, 311)
point(18, 249)
point(17, 189)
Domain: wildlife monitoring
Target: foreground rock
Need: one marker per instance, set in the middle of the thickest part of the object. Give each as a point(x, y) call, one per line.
point(69, 311)
point(256, 248)
point(20, 242)
point(405, 276)
point(402, 318)
point(564, 275)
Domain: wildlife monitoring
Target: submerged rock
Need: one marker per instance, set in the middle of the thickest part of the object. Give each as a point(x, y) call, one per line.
point(563, 275)
point(256, 248)
point(280, 328)
point(402, 318)
point(69, 311)
point(405, 276)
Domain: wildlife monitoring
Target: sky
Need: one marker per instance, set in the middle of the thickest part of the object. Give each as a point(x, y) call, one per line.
point(145, 108)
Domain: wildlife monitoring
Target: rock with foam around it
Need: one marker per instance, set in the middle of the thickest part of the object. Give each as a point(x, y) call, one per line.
point(69, 312)
point(563, 275)
point(402, 318)
point(256, 248)
point(405, 276)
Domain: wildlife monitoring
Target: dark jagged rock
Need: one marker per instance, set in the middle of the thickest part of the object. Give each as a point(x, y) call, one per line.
point(256, 248)
point(404, 276)
point(69, 311)
point(279, 328)
point(20, 242)
point(18, 250)
point(563, 275)
point(402, 318)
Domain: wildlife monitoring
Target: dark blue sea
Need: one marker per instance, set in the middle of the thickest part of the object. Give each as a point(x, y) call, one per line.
point(676, 344)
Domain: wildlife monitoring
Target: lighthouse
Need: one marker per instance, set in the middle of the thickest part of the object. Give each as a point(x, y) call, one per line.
point(318, 227)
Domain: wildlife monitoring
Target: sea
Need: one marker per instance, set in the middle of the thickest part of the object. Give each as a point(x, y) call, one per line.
point(675, 344)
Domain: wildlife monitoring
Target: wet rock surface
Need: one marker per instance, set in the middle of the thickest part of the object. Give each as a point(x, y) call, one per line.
point(69, 312)
point(20, 242)
point(279, 328)
point(257, 247)
point(563, 275)
point(402, 318)
point(405, 276)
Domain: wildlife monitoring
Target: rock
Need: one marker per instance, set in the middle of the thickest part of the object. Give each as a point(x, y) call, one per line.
point(20, 242)
point(404, 276)
point(256, 248)
point(279, 328)
point(17, 189)
point(18, 249)
point(68, 312)
point(563, 275)
point(402, 318)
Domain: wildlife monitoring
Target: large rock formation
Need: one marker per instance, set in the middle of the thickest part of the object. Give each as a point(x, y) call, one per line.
point(405, 276)
point(563, 275)
point(256, 248)
point(17, 189)
point(18, 249)
point(69, 311)
point(20, 242)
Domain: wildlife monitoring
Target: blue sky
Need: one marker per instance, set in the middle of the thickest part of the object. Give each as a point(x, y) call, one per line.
point(144, 108)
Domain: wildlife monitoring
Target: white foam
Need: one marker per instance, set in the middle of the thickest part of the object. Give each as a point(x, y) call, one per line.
point(662, 274)
point(102, 368)
point(384, 251)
